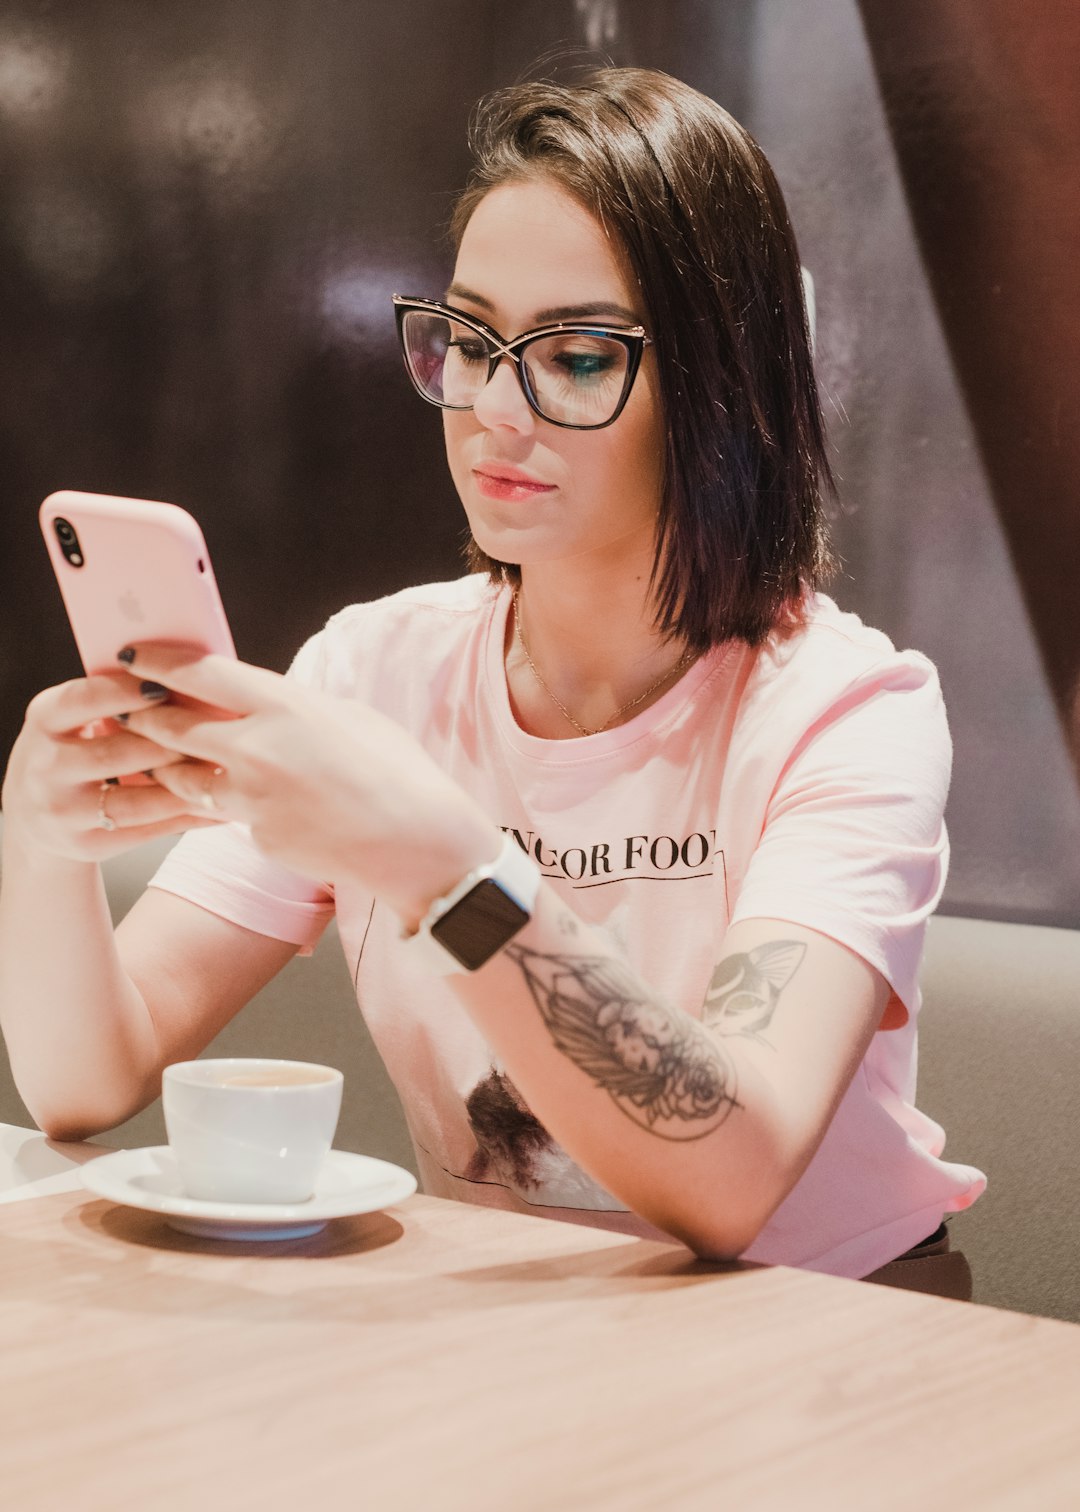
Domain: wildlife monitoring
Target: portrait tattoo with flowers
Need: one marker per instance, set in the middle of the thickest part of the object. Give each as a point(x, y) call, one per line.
point(664, 1070)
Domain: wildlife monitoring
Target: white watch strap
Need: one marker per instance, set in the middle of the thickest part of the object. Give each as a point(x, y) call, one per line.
point(514, 873)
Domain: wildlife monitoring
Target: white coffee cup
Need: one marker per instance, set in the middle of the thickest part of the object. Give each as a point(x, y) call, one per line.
point(250, 1130)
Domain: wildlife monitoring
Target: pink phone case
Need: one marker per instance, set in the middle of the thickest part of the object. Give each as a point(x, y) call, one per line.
point(135, 570)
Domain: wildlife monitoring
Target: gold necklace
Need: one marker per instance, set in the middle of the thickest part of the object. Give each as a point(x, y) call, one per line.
point(684, 661)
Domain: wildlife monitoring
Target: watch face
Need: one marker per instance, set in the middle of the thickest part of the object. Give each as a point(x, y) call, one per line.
point(479, 924)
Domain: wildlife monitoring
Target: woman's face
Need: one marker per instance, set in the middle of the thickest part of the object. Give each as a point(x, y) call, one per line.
point(534, 492)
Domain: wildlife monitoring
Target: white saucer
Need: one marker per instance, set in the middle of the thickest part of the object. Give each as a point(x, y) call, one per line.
point(149, 1179)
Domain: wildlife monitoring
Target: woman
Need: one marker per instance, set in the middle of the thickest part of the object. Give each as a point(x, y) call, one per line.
point(631, 835)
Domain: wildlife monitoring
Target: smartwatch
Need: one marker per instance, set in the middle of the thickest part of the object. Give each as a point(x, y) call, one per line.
point(475, 919)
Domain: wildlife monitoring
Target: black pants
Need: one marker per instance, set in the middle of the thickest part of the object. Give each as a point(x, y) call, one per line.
point(931, 1266)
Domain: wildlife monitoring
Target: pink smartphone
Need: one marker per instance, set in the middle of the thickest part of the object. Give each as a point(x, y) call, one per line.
point(132, 570)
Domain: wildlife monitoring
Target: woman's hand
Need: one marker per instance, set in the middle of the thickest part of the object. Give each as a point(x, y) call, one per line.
point(329, 787)
point(55, 795)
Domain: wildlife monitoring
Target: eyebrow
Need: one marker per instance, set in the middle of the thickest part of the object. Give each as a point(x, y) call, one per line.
point(556, 313)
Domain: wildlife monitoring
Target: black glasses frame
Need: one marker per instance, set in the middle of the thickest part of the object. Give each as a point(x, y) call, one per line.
point(633, 338)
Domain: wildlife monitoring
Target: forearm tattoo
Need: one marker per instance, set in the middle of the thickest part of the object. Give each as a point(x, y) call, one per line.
point(660, 1067)
point(745, 988)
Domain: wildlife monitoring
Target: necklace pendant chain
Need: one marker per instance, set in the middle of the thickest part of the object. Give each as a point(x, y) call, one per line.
point(684, 661)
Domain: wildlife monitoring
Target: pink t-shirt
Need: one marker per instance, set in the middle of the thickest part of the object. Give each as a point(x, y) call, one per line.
point(804, 782)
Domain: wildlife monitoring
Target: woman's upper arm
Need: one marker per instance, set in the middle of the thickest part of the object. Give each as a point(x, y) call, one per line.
point(797, 1012)
point(854, 845)
point(194, 970)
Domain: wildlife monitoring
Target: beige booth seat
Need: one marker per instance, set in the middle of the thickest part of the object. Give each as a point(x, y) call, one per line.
point(1000, 1056)
point(999, 1064)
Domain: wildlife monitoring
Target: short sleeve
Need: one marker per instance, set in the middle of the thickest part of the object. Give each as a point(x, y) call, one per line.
point(223, 871)
point(854, 843)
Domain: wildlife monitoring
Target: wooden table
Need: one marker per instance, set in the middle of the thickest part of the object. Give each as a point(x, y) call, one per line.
point(438, 1356)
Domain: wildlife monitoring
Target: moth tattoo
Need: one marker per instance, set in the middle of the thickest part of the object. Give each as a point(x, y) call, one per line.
point(745, 988)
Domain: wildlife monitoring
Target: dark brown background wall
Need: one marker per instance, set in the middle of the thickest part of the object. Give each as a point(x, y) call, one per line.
point(205, 205)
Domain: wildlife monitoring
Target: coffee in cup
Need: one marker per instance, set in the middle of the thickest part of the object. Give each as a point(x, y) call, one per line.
point(288, 1075)
point(250, 1130)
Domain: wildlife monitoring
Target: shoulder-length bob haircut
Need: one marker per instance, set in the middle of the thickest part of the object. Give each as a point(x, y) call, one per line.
point(689, 196)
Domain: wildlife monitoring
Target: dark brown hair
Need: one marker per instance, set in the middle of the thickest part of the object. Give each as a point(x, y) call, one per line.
point(690, 197)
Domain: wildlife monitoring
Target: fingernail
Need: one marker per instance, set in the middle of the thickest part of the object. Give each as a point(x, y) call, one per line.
point(126, 655)
point(153, 690)
point(121, 718)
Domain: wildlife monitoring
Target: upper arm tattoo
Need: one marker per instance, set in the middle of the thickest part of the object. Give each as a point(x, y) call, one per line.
point(745, 988)
point(660, 1067)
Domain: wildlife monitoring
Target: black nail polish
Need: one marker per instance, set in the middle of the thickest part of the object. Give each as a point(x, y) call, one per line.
point(127, 655)
point(153, 690)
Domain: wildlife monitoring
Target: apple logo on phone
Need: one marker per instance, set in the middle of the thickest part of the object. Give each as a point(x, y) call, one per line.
point(130, 607)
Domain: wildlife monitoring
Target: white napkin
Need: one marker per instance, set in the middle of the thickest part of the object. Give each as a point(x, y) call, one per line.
point(33, 1166)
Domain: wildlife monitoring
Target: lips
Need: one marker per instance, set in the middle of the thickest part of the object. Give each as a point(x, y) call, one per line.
point(502, 480)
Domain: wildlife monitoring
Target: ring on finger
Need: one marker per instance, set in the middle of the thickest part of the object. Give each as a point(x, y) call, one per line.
point(103, 819)
point(209, 802)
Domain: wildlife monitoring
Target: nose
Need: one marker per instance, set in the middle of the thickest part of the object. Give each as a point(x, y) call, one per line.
point(501, 402)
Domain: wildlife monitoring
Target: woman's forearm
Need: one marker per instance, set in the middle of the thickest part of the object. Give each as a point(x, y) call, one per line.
point(676, 1121)
point(79, 1037)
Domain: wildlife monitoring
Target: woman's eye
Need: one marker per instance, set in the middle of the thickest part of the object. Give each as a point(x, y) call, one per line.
point(584, 367)
point(469, 349)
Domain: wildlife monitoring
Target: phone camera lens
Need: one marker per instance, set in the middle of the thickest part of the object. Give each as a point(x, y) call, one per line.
point(69, 541)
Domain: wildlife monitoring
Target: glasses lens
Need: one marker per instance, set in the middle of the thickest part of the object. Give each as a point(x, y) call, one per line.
point(576, 379)
point(448, 361)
